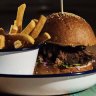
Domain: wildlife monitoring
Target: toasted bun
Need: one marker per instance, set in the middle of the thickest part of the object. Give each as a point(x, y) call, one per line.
point(41, 69)
point(69, 29)
point(78, 68)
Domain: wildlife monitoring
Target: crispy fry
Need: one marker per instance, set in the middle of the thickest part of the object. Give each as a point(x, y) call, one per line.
point(2, 41)
point(47, 36)
point(25, 40)
point(44, 37)
point(29, 28)
point(35, 20)
point(13, 29)
point(18, 38)
point(19, 18)
point(38, 27)
point(15, 22)
point(28, 38)
point(17, 44)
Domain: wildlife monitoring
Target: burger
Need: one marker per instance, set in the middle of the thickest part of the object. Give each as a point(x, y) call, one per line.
point(66, 51)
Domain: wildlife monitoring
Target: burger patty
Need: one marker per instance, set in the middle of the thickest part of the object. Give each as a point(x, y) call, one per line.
point(59, 58)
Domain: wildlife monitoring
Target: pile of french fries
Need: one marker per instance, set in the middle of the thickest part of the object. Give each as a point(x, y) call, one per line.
point(19, 37)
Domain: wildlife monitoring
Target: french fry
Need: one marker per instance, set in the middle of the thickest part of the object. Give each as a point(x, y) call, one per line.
point(13, 29)
point(29, 28)
point(35, 20)
point(28, 38)
point(12, 40)
point(2, 41)
point(44, 37)
point(15, 22)
point(19, 18)
point(38, 27)
point(18, 44)
point(22, 37)
point(47, 36)
point(18, 38)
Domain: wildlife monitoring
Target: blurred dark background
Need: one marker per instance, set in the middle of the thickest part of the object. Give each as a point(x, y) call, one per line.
point(8, 10)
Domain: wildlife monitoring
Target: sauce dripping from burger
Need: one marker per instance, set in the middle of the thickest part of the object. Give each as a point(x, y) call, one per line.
point(62, 8)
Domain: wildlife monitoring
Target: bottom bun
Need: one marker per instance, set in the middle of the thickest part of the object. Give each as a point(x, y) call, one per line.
point(41, 69)
point(83, 68)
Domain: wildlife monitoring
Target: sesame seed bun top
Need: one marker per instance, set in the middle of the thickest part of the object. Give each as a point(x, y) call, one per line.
point(69, 29)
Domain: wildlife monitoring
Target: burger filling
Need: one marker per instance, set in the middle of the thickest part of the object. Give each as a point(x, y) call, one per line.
point(54, 59)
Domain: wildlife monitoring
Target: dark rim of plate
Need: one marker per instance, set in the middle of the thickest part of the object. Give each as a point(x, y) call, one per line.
point(49, 75)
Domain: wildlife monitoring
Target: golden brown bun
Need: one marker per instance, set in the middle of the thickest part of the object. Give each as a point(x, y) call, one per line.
point(41, 69)
point(78, 69)
point(69, 30)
